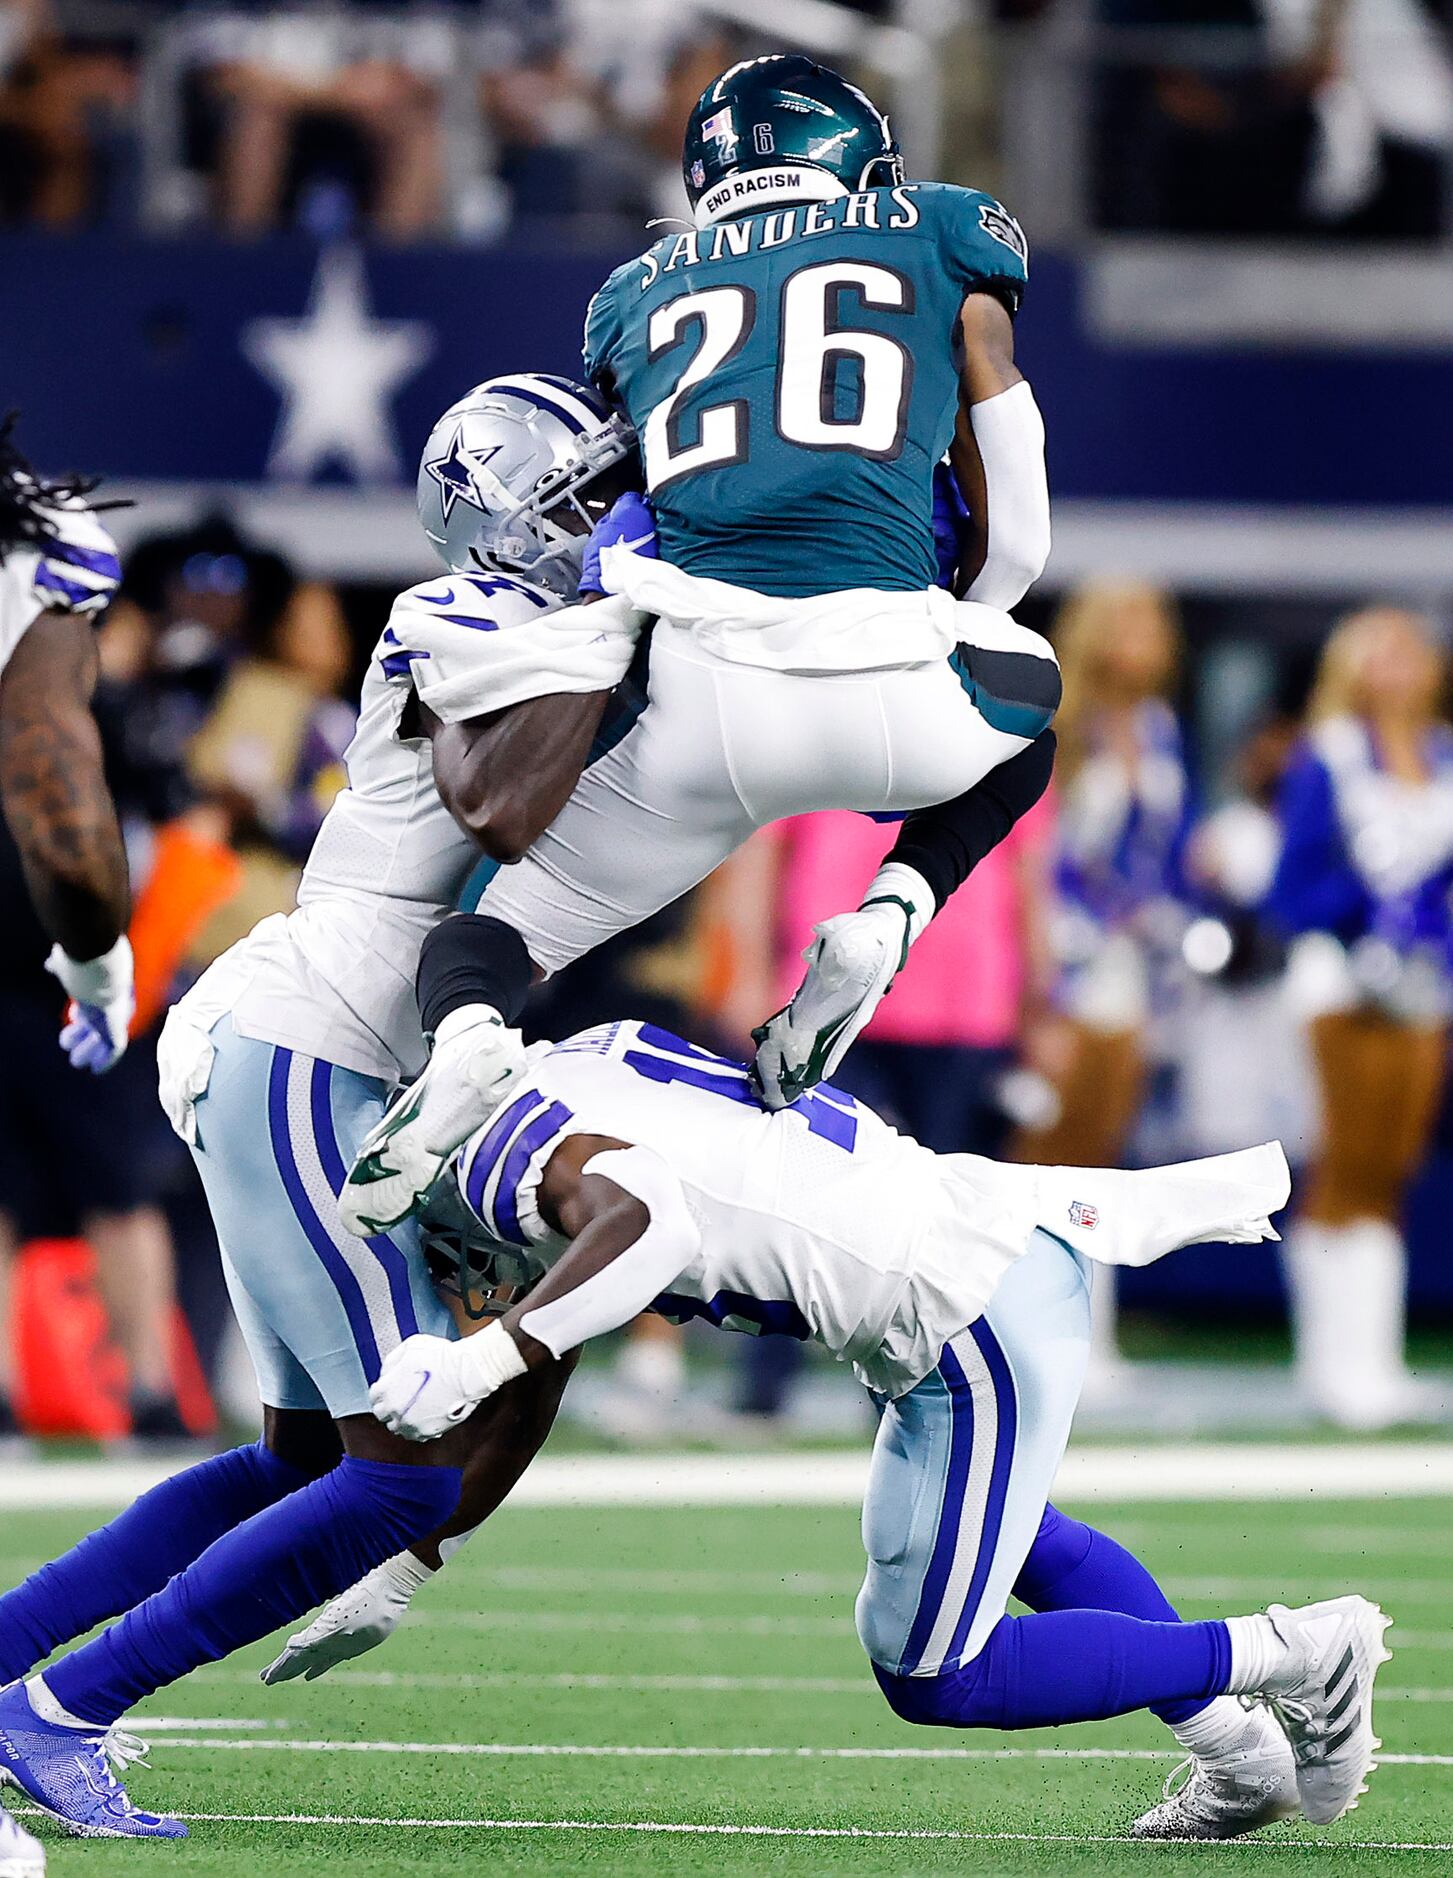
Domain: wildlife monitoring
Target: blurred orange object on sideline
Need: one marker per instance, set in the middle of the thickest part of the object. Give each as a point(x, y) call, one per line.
point(192, 874)
point(70, 1377)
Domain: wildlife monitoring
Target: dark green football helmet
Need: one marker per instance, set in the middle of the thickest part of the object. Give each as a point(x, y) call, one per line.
point(783, 129)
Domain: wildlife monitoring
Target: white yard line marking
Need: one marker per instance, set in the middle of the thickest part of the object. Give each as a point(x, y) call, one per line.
point(197, 1724)
point(526, 1679)
point(402, 1679)
point(1396, 1591)
point(643, 1623)
point(545, 1750)
point(790, 1832)
point(535, 1579)
point(1237, 1471)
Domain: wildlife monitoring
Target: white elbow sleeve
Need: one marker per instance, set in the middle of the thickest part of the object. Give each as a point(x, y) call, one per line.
point(1009, 432)
point(630, 1283)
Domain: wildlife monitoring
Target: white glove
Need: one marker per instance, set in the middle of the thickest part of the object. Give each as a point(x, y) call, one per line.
point(429, 1384)
point(357, 1620)
point(79, 568)
point(103, 997)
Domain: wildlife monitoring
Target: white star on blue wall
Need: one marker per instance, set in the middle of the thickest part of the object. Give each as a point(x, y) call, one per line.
point(337, 371)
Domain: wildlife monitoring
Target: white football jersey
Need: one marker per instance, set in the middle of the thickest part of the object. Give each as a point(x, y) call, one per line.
point(335, 978)
point(20, 604)
point(819, 1221)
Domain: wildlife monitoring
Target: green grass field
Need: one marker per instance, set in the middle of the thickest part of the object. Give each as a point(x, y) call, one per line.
point(693, 1670)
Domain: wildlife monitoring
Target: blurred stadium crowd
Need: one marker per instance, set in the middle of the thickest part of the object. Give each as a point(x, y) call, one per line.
point(1232, 919)
point(1260, 117)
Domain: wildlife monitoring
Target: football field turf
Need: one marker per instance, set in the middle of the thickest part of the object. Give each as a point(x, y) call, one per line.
point(640, 1690)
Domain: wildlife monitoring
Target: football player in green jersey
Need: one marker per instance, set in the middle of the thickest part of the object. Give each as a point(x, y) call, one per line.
point(797, 368)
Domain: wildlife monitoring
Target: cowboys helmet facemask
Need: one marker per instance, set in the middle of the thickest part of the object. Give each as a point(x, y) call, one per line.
point(783, 129)
point(515, 475)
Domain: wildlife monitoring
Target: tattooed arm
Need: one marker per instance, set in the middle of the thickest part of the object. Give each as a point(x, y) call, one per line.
point(53, 787)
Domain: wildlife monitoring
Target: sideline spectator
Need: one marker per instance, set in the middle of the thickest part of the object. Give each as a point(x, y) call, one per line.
point(52, 94)
point(1123, 797)
point(1363, 884)
point(589, 99)
point(352, 94)
point(242, 663)
point(1275, 117)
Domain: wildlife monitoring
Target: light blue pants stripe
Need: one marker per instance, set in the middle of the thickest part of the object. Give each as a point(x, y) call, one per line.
point(319, 1308)
point(963, 1466)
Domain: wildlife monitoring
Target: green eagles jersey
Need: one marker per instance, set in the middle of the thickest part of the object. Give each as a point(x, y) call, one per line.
point(794, 378)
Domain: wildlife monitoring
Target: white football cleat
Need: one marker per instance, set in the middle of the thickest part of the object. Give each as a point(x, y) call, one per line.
point(851, 962)
point(21, 1854)
point(476, 1058)
point(1322, 1696)
point(1250, 1783)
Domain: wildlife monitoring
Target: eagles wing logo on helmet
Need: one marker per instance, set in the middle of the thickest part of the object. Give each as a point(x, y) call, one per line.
point(818, 135)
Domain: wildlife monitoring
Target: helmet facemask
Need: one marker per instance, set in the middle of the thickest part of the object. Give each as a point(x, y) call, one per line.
point(543, 535)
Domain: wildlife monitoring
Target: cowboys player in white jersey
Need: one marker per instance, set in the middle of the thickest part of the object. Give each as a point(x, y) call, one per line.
point(58, 570)
point(630, 1169)
point(280, 1059)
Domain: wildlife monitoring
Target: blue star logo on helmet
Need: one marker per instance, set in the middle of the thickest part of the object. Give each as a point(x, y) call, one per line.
point(455, 475)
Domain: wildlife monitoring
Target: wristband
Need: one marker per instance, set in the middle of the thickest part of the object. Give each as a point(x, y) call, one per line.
point(487, 1361)
point(99, 981)
point(406, 1573)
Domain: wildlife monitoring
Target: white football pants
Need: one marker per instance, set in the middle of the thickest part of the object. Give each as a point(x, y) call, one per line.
point(720, 750)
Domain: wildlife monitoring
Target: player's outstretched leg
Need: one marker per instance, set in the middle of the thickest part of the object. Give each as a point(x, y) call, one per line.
point(1240, 1773)
point(137, 1552)
point(474, 973)
point(1315, 1666)
point(291, 1556)
point(21, 1854)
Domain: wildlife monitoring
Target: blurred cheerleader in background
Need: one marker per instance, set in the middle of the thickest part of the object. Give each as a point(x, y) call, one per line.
point(1123, 818)
point(1363, 884)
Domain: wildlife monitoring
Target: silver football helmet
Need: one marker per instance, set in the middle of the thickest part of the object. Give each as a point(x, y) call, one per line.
point(486, 1273)
point(504, 484)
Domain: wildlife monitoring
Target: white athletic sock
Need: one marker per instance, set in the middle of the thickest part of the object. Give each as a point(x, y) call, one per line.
point(1256, 1652)
point(895, 880)
point(465, 1018)
point(1220, 1726)
point(50, 1710)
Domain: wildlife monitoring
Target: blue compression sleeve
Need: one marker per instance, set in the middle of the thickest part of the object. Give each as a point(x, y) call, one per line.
point(266, 1572)
point(122, 1563)
point(1067, 1666)
point(1072, 1567)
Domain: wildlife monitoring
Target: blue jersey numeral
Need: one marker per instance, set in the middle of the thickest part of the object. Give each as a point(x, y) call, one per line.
point(754, 1316)
point(828, 1112)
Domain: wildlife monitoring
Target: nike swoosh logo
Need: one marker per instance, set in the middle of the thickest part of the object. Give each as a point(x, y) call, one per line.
point(439, 599)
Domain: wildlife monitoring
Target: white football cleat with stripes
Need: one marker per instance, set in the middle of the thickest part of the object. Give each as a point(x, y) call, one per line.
point(476, 1058)
point(1322, 1695)
point(1251, 1783)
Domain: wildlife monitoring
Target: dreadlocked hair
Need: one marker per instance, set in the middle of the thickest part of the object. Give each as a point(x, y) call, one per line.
point(26, 497)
